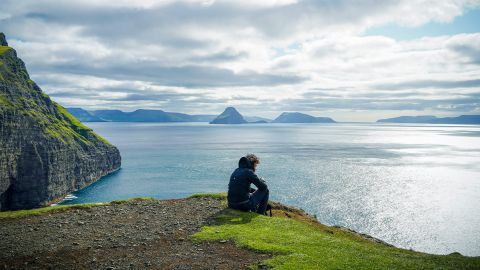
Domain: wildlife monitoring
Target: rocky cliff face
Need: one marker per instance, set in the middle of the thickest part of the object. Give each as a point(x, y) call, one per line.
point(45, 152)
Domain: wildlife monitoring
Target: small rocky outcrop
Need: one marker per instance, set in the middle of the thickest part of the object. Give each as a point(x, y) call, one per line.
point(3, 40)
point(45, 152)
point(229, 116)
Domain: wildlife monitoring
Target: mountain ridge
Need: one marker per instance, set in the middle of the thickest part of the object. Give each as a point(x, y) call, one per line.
point(297, 117)
point(108, 115)
point(430, 119)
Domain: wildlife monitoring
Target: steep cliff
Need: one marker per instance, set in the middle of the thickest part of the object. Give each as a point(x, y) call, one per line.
point(45, 152)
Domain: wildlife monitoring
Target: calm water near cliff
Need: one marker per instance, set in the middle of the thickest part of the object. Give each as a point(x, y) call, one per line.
point(414, 186)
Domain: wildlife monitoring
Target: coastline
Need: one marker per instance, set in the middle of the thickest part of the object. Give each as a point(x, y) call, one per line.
point(61, 199)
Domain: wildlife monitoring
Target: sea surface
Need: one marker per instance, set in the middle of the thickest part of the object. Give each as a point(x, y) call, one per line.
point(412, 185)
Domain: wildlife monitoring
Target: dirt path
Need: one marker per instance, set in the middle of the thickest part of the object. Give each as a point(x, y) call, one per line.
point(134, 235)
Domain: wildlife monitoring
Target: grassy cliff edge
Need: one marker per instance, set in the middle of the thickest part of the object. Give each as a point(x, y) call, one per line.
point(296, 239)
point(299, 241)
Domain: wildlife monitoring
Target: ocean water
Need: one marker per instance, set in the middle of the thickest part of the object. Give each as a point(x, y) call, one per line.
point(414, 186)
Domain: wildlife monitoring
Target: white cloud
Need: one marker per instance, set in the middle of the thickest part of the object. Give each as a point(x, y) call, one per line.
point(264, 56)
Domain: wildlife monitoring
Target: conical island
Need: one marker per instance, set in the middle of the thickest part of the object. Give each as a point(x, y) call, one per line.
point(229, 116)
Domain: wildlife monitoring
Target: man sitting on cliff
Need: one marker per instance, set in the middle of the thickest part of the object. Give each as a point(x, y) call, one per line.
point(240, 195)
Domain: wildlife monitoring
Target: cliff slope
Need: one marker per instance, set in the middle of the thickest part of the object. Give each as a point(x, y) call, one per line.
point(45, 152)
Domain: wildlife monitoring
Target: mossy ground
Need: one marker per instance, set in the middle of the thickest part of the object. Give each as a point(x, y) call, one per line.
point(301, 243)
point(4, 49)
point(132, 199)
point(77, 126)
point(4, 102)
point(60, 208)
point(46, 210)
point(217, 196)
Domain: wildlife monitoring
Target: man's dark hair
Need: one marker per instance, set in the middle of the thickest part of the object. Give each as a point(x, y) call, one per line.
point(253, 159)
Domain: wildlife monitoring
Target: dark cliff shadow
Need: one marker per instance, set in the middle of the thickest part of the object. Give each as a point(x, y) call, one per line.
point(5, 199)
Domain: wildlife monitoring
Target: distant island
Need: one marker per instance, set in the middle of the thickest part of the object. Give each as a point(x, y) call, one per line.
point(429, 119)
point(140, 115)
point(84, 116)
point(143, 115)
point(296, 117)
point(229, 116)
point(232, 116)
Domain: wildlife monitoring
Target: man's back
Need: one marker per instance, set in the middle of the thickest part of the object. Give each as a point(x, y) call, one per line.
point(239, 186)
point(240, 180)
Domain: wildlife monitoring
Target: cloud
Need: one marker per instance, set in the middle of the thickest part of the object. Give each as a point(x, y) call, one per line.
point(430, 84)
point(263, 56)
point(471, 52)
point(185, 76)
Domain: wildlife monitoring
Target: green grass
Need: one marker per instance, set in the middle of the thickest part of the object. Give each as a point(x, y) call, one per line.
point(47, 210)
point(4, 102)
point(136, 199)
point(217, 196)
point(66, 128)
point(61, 208)
point(77, 126)
point(4, 49)
point(37, 105)
point(303, 244)
point(222, 196)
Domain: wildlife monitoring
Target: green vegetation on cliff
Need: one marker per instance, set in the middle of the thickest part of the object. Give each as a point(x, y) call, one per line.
point(55, 122)
point(217, 196)
point(60, 208)
point(45, 152)
point(299, 242)
point(4, 49)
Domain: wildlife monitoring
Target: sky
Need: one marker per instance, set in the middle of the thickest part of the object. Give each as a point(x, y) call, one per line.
point(349, 60)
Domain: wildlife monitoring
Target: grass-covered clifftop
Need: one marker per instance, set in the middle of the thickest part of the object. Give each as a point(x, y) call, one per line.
point(221, 238)
point(45, 152)
point(298, 241)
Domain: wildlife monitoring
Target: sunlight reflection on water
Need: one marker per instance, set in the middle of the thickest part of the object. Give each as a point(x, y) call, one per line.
point(414, 186)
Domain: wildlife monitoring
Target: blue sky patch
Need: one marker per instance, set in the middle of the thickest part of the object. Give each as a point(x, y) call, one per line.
point(469, 22)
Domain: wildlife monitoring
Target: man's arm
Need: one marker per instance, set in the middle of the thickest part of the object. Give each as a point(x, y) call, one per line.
point(259, 183)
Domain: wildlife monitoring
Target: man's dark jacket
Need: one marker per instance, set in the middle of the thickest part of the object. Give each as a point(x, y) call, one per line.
point(240, 180)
